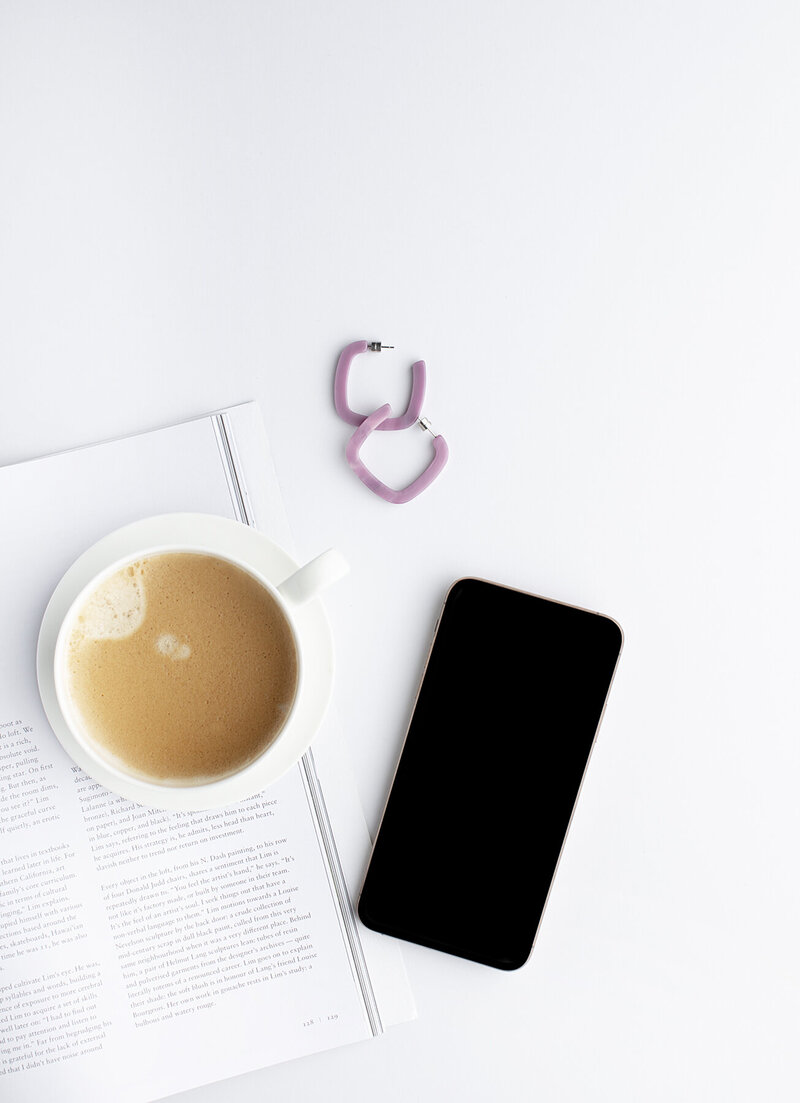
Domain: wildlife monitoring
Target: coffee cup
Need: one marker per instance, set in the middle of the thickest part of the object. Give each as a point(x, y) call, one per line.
point(191, 662)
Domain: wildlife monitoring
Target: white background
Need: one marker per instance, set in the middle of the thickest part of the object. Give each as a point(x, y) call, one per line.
point(586, 218)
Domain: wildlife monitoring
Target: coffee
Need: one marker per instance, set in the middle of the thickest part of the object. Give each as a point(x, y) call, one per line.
point(182, 667)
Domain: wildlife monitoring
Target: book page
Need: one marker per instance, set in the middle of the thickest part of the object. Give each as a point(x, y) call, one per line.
point(145, 952)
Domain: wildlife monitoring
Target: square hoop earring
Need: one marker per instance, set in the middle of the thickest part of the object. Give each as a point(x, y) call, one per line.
point(374, 422)
point(343, 366)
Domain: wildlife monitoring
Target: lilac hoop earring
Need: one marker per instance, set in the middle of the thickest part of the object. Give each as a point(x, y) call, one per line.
point(377, 421)
point(340, 388)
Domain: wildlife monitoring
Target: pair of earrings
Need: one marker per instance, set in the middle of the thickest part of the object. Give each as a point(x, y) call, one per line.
point(380, 419)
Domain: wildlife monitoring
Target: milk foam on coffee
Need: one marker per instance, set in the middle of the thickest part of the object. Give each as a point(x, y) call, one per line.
point(182, 668)
point(115, 609)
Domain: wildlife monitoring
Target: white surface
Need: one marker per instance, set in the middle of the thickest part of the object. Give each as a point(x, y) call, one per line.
point(585, 218)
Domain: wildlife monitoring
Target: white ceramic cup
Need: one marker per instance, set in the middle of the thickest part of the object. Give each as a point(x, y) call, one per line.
point(294, 591)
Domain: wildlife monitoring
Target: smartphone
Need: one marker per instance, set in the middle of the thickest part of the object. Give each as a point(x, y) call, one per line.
point(502, 728)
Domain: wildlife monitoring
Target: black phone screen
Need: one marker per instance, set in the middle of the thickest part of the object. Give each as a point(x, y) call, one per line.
point(504, 722)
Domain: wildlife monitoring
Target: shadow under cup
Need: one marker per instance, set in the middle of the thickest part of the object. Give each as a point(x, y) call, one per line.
point(178, 667)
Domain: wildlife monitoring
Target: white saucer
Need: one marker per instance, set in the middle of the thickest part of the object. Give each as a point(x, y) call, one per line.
point(215, 535)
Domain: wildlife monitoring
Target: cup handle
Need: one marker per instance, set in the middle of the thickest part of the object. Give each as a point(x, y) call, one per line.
point(309, 580)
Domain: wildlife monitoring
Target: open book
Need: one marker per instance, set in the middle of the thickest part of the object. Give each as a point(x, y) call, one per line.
point(146, 952)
